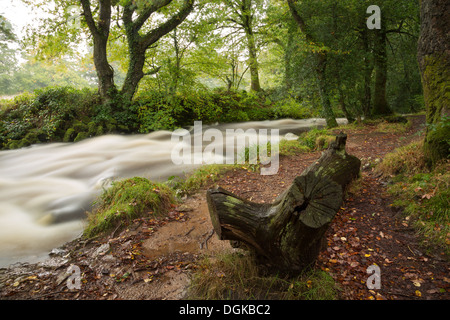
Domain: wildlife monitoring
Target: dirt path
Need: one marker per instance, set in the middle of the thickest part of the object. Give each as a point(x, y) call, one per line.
point(153, 259)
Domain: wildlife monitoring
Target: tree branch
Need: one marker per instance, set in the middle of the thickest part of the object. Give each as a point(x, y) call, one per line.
point(155, 6)
point(300, 22)
point(153, 71)
point(87, 13)
point(153, 36)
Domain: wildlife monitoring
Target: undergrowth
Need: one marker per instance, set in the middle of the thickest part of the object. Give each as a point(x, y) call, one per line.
point(126, 200)
point(235, 276)
point(422, 194)
point(139, 197)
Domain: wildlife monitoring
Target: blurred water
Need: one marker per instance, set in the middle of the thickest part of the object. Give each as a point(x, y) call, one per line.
point(46, 189)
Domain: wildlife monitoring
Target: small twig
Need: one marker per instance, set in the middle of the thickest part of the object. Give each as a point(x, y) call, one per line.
point(114, 232)
point(187, 233)
point(400, 294)
point(205, 242)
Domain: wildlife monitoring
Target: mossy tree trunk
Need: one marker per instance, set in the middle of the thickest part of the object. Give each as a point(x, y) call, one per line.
point(100, 32)
point(366, 99)
point(320, 67)
point(139, 42)
point(287, 234)
point(434, 63)
point(380, 104)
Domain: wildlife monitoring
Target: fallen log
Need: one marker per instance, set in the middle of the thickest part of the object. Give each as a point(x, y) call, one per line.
point(287, 234)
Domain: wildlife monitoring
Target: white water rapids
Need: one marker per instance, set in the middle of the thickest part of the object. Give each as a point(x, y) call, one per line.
point(46, 189)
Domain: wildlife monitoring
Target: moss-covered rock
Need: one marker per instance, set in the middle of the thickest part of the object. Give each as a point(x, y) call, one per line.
point(13, 144)
point(69, 135)
point(126, 200)
point(323, 141)
point(81, 136)
point(79, 126)
point(99, 131)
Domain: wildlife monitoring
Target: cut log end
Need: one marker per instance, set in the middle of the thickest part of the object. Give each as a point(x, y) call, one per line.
point(288, 233)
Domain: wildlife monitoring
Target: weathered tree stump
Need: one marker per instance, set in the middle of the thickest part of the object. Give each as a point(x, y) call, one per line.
point(287, 234)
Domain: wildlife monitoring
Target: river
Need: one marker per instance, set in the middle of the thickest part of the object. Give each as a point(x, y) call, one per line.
point(46, 189)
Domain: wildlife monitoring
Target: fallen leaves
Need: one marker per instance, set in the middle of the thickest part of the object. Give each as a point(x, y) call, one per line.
point(364, 233)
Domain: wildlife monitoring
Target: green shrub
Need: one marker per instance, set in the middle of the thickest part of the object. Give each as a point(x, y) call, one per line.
point(291, 108)
point(408, 159)
point(157, 111)
point(316, 139)
point(48, 113)
point(292, 147)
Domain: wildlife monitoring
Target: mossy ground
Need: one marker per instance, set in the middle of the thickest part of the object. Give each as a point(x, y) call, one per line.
point(236, 276)
point(422, 193)
point(126, 200)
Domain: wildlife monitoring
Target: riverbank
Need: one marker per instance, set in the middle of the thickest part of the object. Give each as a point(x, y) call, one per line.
point(157, 258)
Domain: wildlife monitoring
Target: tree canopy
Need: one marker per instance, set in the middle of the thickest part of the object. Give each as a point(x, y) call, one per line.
point(319, 54)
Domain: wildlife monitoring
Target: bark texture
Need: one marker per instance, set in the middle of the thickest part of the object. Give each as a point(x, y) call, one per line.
point(287, 234)
point(434, 63)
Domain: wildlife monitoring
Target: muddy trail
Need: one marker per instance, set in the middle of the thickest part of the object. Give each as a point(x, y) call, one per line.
point(154, 258)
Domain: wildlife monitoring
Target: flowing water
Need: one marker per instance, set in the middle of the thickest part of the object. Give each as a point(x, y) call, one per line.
point(46, 189)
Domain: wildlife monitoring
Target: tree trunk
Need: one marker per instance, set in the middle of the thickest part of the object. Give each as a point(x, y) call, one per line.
point(253, 63)
point(247, 21)
point(100, 34)
point(105, 73)
point(434, 63)
point(366, 101)
point(288, 53)
point(287, 234)
point(321, 63)
point(135, 71)
point(139, 43)
point(327, 110)
point(343, 106)
point(380, 104)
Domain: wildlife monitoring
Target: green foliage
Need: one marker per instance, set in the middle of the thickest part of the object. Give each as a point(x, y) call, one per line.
point(291, 108)
point(198, 178)
point(292, 147)
point(159, 111)
point(66, 114)
point(44, 116)
point(316, 139)
point(405, 160)
point(126, 200)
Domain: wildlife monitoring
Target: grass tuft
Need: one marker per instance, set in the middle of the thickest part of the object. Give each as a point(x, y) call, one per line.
point(234, 276)
point(126, 200)
point(408, 159)
point(423, 195)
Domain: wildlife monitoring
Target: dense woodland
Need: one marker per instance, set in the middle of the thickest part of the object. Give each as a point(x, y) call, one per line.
point(138, 66)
